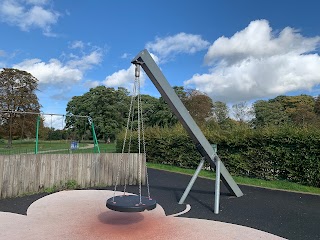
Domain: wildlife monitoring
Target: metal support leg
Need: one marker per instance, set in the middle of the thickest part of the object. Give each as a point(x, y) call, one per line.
point(193, 179)
point(217, 187)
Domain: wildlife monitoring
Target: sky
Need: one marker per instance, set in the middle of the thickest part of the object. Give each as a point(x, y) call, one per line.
point(232, 50)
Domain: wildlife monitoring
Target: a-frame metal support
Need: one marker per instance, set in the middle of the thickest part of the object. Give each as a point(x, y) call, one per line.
point(145, 60)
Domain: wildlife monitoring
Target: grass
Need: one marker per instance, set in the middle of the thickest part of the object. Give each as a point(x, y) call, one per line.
point(107, 148)
point(274, 184)
point(60, 146)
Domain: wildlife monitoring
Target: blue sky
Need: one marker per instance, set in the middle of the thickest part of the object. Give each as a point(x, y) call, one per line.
point(232, 50)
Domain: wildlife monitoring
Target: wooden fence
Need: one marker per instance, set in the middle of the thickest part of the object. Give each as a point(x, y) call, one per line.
point(29, 173)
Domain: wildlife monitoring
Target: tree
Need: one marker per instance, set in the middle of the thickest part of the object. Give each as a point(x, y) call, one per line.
point(269, 113)
point(148, 105)
point(17, 94)
point(161, 114)
point(291, 103)
point(108, 108)
point(199, 105)
point(317, 106)
point(242, 112)
point(299, 110)
point(304, 114)
point(220, 111)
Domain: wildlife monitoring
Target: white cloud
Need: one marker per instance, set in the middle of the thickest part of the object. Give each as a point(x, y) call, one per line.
point(53, 72)
point(120, 78)
point(168, 47)
point(92, 84)
point(57, 74)
point(125, 55)
point(257, 63)
point(28, 14)
point(163, 48)
point(124, 78)
point(87, 61)
point(258, 41)
point(76, 44)
point(37, 2)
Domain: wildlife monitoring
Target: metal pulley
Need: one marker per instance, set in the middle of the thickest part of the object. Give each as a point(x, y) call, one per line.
point(137, 71)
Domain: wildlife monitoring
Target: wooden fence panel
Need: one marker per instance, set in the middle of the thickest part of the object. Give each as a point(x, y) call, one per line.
point(1, 173)
point(29, 173)
point(5, 176)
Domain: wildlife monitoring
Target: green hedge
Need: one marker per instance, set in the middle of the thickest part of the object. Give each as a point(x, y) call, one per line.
point(273, 153)
point(167, 146)
point(286, 154)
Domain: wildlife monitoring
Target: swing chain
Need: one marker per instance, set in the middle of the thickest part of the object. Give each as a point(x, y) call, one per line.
point(135, 95)
point(139, 131)
point(124, 144)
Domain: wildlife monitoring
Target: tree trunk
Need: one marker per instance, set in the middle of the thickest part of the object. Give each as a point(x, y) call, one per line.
point(10, 132)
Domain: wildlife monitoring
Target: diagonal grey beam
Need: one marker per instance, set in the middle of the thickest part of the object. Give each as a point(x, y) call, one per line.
point(145, 60)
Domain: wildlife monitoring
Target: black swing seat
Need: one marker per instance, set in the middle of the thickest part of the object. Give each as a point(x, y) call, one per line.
point(130, 203)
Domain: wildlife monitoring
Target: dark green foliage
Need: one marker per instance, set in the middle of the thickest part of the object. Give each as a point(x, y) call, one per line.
point(107, 106)
point(285, 153)
point(162, 115)
point(275, 153)
point(170, 146)
point(298, 110)
point(57, 134)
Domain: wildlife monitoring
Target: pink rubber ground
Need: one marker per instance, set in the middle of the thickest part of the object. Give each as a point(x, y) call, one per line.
point(81, 214)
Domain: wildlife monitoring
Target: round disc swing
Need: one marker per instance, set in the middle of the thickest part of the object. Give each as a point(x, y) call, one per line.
point(125, 202)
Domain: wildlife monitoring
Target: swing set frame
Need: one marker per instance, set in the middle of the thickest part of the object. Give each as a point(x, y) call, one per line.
point(207, 151)
point(95, 140)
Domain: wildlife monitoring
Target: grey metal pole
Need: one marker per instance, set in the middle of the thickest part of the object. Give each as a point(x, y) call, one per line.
point(217, 187)
point(193, 179)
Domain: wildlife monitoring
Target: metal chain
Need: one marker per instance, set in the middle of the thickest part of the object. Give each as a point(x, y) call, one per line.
point(144, 151)
point(124, 144)
point(136, 95)
point(141, 130)
point(129, 151)
point(139, 137)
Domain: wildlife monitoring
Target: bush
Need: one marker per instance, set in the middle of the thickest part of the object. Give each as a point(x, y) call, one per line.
point(285, 153)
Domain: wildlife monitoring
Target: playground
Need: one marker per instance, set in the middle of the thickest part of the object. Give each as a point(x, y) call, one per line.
point(81, 214)
point(141, 202)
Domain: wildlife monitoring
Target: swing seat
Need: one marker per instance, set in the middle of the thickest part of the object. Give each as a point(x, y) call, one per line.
point(130, 203)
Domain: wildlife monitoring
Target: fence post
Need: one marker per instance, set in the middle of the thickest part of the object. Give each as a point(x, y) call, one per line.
point(37, 135)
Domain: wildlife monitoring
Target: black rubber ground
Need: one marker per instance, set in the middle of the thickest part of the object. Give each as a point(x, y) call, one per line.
point(286, 214)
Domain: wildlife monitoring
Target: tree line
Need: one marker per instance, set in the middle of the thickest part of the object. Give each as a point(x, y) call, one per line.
point(109, 108)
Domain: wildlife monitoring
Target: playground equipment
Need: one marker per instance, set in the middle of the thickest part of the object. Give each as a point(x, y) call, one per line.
point(36, 151)
point(124, 202)
point(203, 146)
point(127, 204)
